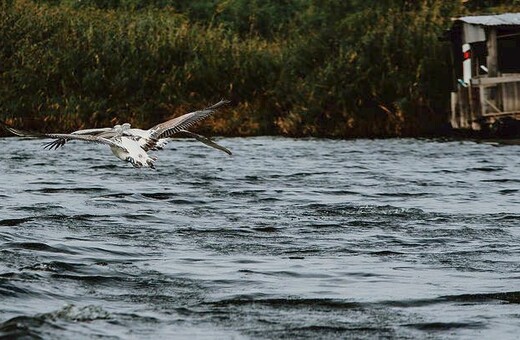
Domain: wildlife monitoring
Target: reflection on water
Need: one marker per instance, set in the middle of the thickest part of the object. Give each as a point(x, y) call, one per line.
point(286, 238)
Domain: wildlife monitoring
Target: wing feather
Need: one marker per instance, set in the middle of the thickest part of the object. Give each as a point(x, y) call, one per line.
point(172, 126)
point(16, 132)
point(94, 131)
point(206, 141)
point(101, 132)
point(61, 138)
point(85, 138)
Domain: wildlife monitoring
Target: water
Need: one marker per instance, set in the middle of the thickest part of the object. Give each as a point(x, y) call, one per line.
point(285, 239)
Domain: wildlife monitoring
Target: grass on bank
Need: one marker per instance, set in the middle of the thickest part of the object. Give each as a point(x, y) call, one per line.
point(305, 67)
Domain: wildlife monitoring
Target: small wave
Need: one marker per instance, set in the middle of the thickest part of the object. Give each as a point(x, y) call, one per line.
point(307, 174)
point(66, 190)
point(220, 231)
point(179, 201)
point(338, 192)
point(287, 273)
point(118, 195)
point(505, 217)
point(346, 209)
point(404, 194)
point(24, 327)
point(303, 251)
point(42, 325)
point(104, 167)
point(90, 279)
point(7, 289)
point(20, 157)
point(246, 192)
point(158, 195)
point(444, 326)
point(508, 191)
point(12, 222)
point(43, 182)
point(441, 171)
point(87, 217)
point(501, 180)
point(510, 297)
point(486, 169)
point(268, 229)
point(55, 266)
point(326, 332)
point(38, 207)
point(35, 246)
point(265, 200)
point(323, 304)
point(141, 216)
point(253, 178)
point(122, 197)
point(77, 314)
point(386, 253)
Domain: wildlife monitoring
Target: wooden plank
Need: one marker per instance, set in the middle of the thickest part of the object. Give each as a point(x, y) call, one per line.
point(511, 96)
point(463, 107)
point(515, 96)
point(490, 81)
point(475, 108)
point(483, 100)
point(454, 114)
point(493, 114)
point(497, 110)
point(505, 92)
point(471, 111)
point(492, 60)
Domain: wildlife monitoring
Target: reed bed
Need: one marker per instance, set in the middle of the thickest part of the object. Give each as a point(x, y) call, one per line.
point(326, 68)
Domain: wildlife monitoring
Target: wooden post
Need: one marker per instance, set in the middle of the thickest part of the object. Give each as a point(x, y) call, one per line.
point(471, 106)
point(454, 114)
point(475, 110)
point(483, 100)
point(492, 65)
point(467, 113)
point(492, 61)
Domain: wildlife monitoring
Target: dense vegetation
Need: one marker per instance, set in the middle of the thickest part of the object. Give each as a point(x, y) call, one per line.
point(337, 68)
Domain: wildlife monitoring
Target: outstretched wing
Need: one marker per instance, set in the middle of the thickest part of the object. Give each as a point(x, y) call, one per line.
point(64, 136)
point(16, 132)
point(102, 132)
point(85, 138)
point(206, 141)
point(172, 126)
point(94, 131)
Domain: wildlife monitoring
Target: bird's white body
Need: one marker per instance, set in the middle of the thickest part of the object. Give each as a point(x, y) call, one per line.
point(144, 138)
point(132, 152)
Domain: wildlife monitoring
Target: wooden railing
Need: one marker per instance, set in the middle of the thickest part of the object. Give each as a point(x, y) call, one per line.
point(486, 100)
point(498, 96)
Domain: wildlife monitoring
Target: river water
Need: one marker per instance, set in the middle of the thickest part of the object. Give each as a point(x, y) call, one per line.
point(307, 238)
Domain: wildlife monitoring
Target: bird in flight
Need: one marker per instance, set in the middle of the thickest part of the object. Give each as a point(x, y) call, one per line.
point(131, 144)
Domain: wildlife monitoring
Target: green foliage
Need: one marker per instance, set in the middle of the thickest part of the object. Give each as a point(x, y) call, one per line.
point(492, 5)
point(302, 67)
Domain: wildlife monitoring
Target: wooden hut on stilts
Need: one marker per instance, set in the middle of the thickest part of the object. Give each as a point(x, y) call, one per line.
point(486, 60)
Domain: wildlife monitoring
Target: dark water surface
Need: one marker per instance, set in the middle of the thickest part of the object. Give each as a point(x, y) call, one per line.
point(287, 238)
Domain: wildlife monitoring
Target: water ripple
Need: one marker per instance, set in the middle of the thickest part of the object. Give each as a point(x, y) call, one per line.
point(289, 238)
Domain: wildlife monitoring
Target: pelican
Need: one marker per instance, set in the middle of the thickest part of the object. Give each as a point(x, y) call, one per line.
point(123, 147)
point(159, 135)
point(131, 144)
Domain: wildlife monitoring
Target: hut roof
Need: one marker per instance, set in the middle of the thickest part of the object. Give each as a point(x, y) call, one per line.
point(506, 19)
